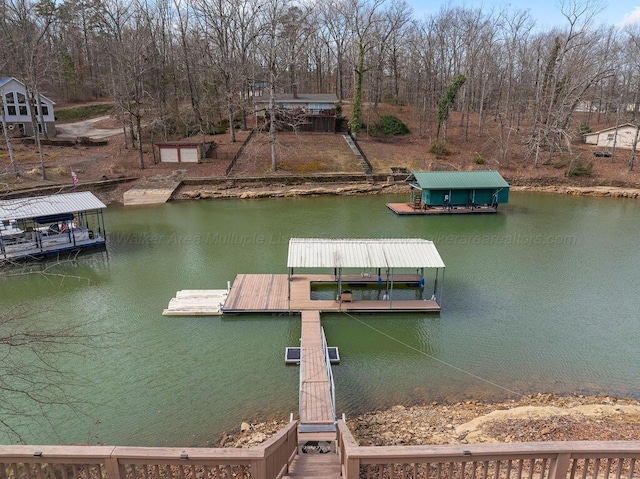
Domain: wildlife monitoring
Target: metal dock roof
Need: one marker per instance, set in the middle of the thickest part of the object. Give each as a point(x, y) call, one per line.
point(22, 208)
point(441, 180)
point(363, 253)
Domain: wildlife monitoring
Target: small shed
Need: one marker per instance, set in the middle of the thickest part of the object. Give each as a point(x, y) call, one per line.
point(178, 152)
point(621, 136)
point(455, 189)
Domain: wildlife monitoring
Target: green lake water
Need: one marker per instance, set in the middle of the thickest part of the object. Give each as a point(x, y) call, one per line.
point(542, 297)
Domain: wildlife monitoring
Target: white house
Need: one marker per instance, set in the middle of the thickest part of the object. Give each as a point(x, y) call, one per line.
point(621, 136)
point(17, 114)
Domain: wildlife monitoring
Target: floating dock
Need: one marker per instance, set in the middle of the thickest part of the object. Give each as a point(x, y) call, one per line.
point(264, 293)
point(403, 209)
point(381, 262)
point(197, 302)
point(267, 293)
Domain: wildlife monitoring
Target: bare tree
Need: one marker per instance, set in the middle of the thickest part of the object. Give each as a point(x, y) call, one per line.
point(33, 376)
point(25, 27)
point(364, 17)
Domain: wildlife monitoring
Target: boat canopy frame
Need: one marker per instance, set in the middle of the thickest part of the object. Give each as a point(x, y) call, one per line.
point(67, 213)
point(390, 255)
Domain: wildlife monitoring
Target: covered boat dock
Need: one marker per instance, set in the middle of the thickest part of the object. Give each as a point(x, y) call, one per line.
point(46, 225)
point(333, 275)
point(450, 192)
point(357, 265)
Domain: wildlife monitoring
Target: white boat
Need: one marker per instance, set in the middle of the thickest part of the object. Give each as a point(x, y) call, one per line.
point(46, 225)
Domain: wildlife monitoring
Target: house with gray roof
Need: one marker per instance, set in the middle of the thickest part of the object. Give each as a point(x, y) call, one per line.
point(316, 112)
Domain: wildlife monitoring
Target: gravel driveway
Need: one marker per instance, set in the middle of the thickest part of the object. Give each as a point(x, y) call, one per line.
point(86, 129)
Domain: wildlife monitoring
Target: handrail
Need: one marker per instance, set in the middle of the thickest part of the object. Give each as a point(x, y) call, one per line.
point(269, 460)
point(549, 460)
point(302, 352)
point(327, 361)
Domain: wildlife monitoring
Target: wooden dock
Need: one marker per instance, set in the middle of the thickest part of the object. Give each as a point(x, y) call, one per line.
point(404, 209)
point(317, 417)
point(267, 293)
point(258, 293)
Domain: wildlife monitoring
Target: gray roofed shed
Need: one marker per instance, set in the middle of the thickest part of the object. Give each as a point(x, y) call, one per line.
point(24, 208)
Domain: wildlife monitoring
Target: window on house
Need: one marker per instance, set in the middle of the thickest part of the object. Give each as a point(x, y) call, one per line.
point(23, 110)
point(21, 98)
point(9, 98)
point(610, 136)
point(11, 110)
point(41, 129)
point(44, 108)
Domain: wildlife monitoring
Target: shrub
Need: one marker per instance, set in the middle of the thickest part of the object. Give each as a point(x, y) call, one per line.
point(562, 163)
point(479, 160)
point(584, 128)
point(578, 169)
point(388, 125)
point(439, 148)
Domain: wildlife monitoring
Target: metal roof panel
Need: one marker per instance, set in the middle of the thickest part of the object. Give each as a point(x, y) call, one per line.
point(363, 253)
point(22, 208)
point(439, 180)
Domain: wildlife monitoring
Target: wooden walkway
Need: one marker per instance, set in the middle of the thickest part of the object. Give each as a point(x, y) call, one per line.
point(267, 293)
point(316, 408)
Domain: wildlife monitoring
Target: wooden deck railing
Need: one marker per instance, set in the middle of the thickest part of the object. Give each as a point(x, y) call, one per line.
point(535, 460)
point(270, 460)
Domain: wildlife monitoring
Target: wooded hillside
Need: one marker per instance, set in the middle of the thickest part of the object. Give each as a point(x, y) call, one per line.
point(182, 67)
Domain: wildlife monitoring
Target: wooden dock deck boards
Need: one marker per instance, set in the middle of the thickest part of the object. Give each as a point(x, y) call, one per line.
point(267, 293)
point(403, 209)
point(258, 293)
point(315, 396)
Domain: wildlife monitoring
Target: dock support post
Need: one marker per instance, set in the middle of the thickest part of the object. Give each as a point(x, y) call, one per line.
point(435, 286)
point(391, 291)
point(289, 275)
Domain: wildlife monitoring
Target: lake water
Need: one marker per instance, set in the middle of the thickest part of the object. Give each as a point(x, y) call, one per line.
point(542, 297)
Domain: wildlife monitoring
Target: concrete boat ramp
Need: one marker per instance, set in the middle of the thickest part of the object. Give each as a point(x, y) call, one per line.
point(151, 191)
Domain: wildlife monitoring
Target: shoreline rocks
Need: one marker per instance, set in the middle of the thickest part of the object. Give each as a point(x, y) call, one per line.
point(537, 417)
point(341, 189)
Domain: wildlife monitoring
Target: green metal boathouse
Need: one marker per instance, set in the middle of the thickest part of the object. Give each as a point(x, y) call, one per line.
point(436, 192)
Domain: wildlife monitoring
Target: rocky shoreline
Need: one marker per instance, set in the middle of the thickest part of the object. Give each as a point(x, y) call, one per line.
point(538, 417)
point(341, 189)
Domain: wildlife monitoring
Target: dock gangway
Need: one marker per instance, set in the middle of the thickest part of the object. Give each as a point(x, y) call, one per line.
point(317, 403)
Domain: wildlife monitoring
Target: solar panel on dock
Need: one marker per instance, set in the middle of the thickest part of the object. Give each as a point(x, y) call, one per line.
point(292, 355)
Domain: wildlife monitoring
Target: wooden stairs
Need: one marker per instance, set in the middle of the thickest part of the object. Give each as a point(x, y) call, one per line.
point(359, 154)
point(313, 465)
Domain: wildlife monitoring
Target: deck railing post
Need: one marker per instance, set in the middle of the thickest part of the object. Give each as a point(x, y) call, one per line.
point(115, 470)
point(559, 466)
point(259, 469)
